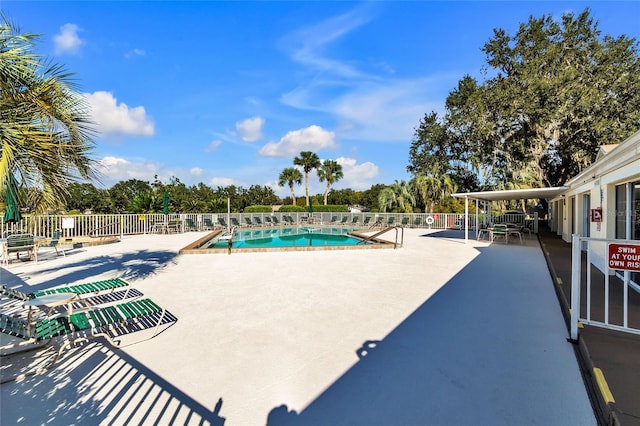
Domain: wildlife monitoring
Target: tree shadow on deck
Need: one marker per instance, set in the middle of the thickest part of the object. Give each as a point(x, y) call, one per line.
point(488, 348)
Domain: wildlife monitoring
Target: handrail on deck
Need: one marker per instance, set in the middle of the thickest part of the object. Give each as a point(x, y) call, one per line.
point(94, 231)
point(387, 229)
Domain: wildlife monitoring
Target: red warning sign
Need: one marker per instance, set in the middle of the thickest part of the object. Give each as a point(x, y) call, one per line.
point(624, 257)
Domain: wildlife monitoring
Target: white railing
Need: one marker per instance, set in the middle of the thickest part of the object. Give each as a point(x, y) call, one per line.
point(101, 225)
point(607, 301)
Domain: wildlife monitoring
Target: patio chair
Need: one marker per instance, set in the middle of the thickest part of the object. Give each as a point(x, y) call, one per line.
point(391, 220)
point(258, 221)
point(405, 221)
point(235, 222)
point(417, 222)
point(354, 221)
point(54, 243)
point(366, 220)
point(334, 219)
point(248, 221)
point(499, 231)
point(190, 225)
point(267, 221)
point(92, 288)
point(104, 321)
point(275, 219)
point(222, 222)
point(208, 224)
point(344, 220)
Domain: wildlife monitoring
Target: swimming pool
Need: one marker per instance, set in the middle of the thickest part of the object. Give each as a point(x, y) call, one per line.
point(300, 238)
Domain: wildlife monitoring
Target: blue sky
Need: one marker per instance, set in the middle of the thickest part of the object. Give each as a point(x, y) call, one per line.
point(230, 92)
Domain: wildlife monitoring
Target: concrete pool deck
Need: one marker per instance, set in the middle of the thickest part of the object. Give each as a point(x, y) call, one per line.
point(437, 332)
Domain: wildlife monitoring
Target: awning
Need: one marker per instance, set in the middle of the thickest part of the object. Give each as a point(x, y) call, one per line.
point(513, 194)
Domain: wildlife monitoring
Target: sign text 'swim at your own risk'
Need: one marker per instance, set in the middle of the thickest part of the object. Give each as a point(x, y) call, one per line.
point(625, 257)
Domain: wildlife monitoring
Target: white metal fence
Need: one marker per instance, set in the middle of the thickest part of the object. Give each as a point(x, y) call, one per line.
point(101, 225)
point(603, 293)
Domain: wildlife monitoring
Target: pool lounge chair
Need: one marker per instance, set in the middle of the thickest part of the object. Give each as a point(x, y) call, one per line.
point(248, 221)
point(222, 222)
point(208, 224)
point(258, 221)
point(267, 221)
point(405, 221)
point(111, 322)
point(235, 222)
point(334, 219)
point(190, 225)
point(344, 220)
point(276, 221)
point(366, 220)
point(354, 221)
point(417, 222)
point(93, 288)
point(54, 243)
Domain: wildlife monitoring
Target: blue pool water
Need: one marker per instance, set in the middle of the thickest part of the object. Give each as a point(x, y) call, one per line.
point(289, 237)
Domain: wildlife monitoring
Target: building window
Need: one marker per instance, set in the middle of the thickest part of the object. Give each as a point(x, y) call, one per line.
point(621, 211)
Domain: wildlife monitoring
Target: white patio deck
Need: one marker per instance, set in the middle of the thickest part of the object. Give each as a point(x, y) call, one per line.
point(435, 333)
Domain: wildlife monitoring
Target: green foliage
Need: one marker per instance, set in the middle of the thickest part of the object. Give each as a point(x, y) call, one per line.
point(558, 89)
point(288, 208)
point(258, 209)
point(330, 208)
point(45, 123)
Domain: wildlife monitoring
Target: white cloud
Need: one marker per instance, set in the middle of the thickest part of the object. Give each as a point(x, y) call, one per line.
point(114, 118)
point(221, 181)
point(357, 176)
point(116, 169)
point(312, 138)
point(67, 41)
point(250, 130)
point(196, 172)
point(213, 146)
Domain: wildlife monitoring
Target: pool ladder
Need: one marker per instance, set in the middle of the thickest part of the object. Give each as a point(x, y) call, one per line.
point(387, 229)
point(230, 240)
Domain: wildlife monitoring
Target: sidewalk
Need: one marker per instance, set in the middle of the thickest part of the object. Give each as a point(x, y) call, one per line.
point(617, 354)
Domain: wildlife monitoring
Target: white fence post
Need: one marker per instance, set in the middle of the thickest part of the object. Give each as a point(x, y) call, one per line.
point(575, 285)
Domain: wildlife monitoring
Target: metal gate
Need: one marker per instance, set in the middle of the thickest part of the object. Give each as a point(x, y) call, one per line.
point(602, 291)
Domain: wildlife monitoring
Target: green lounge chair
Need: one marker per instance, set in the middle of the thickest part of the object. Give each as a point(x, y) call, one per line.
point(103, 321)
point(258, 221)
point(190, 225)
point(248, 221)
point(405, 221)
point(354, 221)
point(276, 221)
point(222, 222)
point(344, 220)
point(54, 243)
point(208, 224)
point(93, 288)
point(417, 222)
point(235, 222)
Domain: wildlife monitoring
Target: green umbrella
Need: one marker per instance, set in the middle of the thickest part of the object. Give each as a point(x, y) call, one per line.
point(12, 211)
point(165, 203)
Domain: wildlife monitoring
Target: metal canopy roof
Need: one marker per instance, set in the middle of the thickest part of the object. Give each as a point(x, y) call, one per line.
point(513, 194)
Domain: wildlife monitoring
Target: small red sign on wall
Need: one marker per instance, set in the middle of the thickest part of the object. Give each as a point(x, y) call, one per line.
point(596, 215)
point(624, 257)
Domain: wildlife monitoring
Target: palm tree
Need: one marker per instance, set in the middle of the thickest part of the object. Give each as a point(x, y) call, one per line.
point(45, 128)
point(400, 195)
point(290, 176)
point(308, 161)
point(433, 189)
point(330, 171)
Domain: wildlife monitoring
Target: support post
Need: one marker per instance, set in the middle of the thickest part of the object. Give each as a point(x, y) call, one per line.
point(575, 286)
